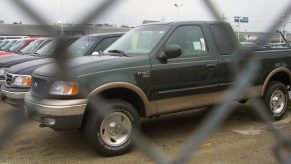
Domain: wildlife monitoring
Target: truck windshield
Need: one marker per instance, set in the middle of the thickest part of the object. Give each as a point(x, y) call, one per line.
point(81, 46)
point(8, 45)
point(48, 49)
point(17, 46)
point(31, 47)
point(139, 40)
point(3, 43)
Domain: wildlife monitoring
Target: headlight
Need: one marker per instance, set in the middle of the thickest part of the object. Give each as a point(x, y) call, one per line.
point(64, 88)
point(2, 71)
point(22, 81)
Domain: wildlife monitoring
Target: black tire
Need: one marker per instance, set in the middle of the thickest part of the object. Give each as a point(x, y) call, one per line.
point(243, 101)
point(98, 136)
point(276, 90)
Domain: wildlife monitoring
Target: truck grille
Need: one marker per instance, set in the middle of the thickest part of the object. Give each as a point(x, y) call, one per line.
point(39, 87)
point(8, 79)
point(2, 77)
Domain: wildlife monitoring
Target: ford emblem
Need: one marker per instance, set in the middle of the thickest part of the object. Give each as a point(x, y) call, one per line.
point(35, 84)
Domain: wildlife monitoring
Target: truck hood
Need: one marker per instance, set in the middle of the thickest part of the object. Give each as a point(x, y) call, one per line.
point(7, 55)
point(5, 52)
point(91, 64)
point(27, 68)
point(16, 59)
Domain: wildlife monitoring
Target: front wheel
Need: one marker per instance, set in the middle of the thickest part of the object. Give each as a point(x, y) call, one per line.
point(276, 99)
point(109, 131)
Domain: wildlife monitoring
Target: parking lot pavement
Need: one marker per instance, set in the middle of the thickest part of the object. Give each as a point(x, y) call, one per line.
point(243, 138)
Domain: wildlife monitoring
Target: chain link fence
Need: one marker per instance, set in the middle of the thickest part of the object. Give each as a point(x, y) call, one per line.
point(246, 76)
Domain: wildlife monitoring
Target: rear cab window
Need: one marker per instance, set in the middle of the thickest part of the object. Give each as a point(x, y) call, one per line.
point(223, 39)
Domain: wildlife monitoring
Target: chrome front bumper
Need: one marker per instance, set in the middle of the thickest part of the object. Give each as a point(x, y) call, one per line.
point(13, 95)
point(2, 82)
point(53, 107)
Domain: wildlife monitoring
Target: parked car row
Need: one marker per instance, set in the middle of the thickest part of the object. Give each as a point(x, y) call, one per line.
point(18, 76)
point(4, 37)
point(151, 70)
point(44, 47)
point(18, 46)
point(15, 46)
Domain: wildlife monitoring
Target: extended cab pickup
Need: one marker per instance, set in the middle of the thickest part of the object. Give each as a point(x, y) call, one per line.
point(152, 70)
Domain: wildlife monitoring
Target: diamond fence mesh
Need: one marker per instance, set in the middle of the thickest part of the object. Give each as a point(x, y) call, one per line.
point(246, 72)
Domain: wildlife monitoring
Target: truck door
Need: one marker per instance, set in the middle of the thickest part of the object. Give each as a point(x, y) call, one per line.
point(227, 50)
point(185, 82)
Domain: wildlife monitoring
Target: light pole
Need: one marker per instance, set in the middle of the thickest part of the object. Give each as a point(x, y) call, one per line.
point(238, 29)
point(61, 21)
point(285, 32)
point(285, 29)
point(239, 20)
point(178, 6)
point(62, 28)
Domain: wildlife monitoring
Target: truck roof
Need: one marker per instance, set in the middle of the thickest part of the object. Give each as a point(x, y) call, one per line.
point(109, 33)
point(184, 22)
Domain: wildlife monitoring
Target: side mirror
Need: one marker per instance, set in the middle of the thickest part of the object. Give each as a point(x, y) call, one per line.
point(95, 53)
point(172, 51)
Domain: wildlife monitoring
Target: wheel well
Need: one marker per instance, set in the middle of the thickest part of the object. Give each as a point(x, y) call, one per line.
point(282, 77)
point(126, 95)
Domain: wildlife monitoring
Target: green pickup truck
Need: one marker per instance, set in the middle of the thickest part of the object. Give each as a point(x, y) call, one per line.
point(152, 70)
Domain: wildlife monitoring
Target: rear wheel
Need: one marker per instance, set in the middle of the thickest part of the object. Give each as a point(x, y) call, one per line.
point(276, 99)
point(109, 132)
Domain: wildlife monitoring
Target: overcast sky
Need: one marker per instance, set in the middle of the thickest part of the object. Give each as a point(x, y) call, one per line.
point(132, 12)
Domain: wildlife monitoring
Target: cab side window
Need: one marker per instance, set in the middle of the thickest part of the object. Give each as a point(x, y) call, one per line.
point(191, 41)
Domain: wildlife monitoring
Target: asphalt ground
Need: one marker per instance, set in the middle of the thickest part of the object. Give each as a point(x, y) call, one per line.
point(243, 138)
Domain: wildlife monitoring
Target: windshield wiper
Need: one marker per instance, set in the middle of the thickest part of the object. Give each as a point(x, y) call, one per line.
point(101, 53)
point(35, 54)
point(118, 52)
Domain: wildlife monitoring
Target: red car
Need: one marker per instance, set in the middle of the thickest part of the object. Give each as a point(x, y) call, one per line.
point(18, 46)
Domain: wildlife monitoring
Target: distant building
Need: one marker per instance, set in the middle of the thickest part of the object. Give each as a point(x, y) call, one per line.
point(56, 29)
point(124, 26)
point(17, 22)
point(149, 21)
point(106, 25)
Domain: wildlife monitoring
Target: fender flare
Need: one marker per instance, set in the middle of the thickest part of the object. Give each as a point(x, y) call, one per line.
point(150, 107)
point(275, 71)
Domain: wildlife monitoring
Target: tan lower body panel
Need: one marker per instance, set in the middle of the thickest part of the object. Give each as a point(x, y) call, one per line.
point(196, 101)
point(186, 102)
